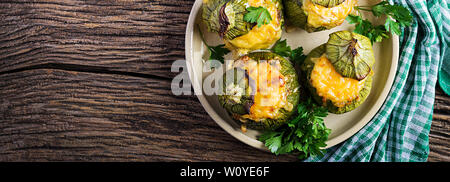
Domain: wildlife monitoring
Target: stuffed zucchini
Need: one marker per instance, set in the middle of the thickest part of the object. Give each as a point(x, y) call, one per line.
point(317, 15)
point(339, 73)
point(226, 17)
point(261, 90)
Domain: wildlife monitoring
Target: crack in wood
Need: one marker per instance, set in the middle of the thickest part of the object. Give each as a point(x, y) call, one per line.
point(85, 69)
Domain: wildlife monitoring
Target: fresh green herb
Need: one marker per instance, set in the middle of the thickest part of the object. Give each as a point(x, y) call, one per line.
point(366, 28)
point(306, 134)
point(215, 52)
point(298, 56)
point(258, 15)
point(397, 17)
point(281, 48)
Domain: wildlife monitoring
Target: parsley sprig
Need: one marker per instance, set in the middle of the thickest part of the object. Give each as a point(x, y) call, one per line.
point(306, 134)
point(396, 17)
point(215, 52)
point(258, 15)
point(281, 48)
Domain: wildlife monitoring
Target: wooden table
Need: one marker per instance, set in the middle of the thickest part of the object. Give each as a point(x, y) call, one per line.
point(90, 81)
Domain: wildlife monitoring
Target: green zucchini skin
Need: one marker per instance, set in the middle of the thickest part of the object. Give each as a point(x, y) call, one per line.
point(294, 13)
point(231, 24)
point(308, 66)
point(296, 16)
point(351, 54)
point(228, 26)
point(236, 110)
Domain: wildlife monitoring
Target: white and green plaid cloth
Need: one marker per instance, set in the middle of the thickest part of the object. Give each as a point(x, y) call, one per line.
point(399, 131)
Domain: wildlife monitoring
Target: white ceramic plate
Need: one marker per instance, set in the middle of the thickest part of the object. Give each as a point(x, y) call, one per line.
point(342, 126)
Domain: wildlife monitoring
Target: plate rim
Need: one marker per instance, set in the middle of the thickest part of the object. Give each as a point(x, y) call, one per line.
point(255, 143)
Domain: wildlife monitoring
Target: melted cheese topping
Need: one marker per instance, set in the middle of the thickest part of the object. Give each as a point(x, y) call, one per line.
point(328, 17)
point(270, 94)
point(330, 85)
point(260, 37)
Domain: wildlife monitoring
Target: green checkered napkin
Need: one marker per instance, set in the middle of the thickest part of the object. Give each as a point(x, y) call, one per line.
point(399, 131)
point(444, 72)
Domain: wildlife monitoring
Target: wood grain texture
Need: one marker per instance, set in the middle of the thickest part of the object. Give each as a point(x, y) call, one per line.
point(58, 115)
point(140, 36)
point(440, 128)
point(90, 81)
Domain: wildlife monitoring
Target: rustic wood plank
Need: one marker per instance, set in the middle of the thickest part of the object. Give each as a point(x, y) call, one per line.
point(139, 36)
point(440, 128)
point(58, 115)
